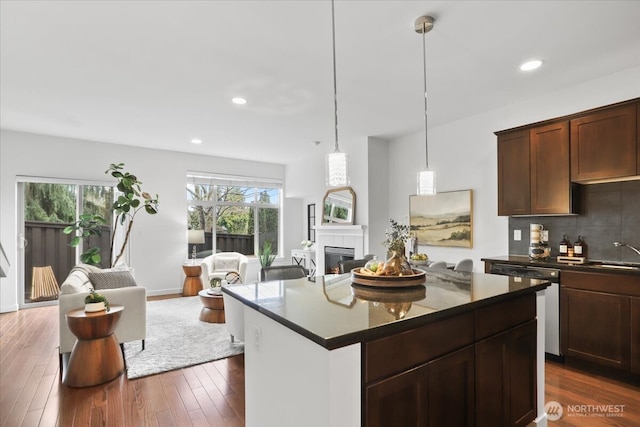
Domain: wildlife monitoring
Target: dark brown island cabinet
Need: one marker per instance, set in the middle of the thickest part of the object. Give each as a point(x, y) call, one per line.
point(540, 165)
point(600, 319)
point(468, 352)
point(484, 374)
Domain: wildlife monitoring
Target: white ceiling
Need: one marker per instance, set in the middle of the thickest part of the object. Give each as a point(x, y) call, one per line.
point(159, 73)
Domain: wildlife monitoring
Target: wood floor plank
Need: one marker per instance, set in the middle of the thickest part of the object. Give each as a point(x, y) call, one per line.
point(209, 394)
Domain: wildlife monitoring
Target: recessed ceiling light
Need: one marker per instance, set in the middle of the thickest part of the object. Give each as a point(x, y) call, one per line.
point(239, 101)
point(196, 141)
point(530, 65)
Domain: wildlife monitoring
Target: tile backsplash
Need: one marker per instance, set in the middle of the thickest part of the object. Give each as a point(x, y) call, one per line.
point(608, 212)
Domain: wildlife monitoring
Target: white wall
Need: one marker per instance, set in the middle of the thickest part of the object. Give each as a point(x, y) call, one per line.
point(158, 242)
point(464, 156)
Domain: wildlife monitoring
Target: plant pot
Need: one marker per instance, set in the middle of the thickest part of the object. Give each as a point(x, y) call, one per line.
point(214, 291)
point(93, 307)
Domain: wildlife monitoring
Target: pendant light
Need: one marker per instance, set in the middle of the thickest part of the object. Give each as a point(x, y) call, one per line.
point(337, 162)
point(426, 178)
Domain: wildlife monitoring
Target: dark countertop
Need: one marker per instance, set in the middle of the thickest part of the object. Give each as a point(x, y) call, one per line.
point(590, 266)
point(327, 311)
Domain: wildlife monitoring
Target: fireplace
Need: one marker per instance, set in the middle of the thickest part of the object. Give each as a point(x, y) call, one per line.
point(333, 255)
point(338, 236)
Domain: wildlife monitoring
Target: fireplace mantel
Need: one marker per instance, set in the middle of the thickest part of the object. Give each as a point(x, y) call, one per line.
point(343, 236)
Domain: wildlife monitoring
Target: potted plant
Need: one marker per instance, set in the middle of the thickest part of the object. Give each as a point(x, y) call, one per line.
point(88, 225)
point(125, 208)
point(128, 204)
point(216, 286)
point(265, 255)
point(95, 302)
point(306, 245)
point(396, 238)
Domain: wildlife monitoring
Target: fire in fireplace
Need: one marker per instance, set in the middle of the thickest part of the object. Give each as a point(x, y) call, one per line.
point(333, 255)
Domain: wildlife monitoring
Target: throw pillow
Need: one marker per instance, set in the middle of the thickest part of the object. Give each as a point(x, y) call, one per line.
point(226, 264)
point(112, 280)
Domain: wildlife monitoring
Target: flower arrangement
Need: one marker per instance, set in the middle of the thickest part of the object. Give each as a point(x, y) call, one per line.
point(306, 243)
point(94, 297)
point(396, 236)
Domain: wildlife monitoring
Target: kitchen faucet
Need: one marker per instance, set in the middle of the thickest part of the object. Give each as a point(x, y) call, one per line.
point(619, 244)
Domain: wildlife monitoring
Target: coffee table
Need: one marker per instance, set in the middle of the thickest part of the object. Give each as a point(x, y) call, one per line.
point(96, 357)
point(213, 310)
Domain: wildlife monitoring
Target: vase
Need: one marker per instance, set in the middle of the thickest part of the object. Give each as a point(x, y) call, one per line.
point(397, 265)
point(92, 307)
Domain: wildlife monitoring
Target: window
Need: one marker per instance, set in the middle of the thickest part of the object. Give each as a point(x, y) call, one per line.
point(237, 214)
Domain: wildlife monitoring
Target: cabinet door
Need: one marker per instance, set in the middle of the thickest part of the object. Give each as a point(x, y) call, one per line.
point(513, 173)
point(451, 396)
point(635, 335)
point(604, 144)
point(595, 327)
point(438, 393)
point(506, 377)
point(398, 401)
point(550, 180)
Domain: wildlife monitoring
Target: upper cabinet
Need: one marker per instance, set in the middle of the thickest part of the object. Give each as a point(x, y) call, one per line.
point(540, 165)
point(604, 144)
point(533, 171)
point(514, 195)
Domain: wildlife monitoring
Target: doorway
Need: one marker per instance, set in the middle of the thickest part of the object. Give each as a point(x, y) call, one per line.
point(47, 206)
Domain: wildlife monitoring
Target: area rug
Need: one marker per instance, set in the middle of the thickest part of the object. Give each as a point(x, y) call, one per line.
point(176, 338)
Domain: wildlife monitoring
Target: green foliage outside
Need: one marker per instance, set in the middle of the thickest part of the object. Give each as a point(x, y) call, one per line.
point(235, 211)
point(50, 202)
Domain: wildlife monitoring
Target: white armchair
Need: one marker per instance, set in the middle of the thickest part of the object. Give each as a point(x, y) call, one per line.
point(133, 323)
point(220, 264)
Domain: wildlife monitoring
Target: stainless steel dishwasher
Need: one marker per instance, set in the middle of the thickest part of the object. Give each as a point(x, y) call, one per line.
point(552, 299)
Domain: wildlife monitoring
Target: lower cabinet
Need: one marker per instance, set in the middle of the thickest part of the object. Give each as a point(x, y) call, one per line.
point(600, 319)
point(596, 327)
point(438, 393)
point(474, 369)
point(506, 378)
point(635, 335)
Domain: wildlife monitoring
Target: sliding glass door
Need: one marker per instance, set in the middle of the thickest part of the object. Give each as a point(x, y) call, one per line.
point(47, 207)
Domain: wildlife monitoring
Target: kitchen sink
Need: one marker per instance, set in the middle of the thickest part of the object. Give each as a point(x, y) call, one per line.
point(619, 266)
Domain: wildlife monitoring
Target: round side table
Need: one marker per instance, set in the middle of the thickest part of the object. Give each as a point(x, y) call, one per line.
point(192, 283)
point(96, 357)
point(213, 310)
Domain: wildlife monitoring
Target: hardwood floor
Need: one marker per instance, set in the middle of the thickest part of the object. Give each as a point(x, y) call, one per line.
point(211, 394)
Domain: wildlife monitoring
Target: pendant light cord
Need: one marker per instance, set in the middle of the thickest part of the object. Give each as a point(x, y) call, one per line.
point(335, 86)
point(424, 61)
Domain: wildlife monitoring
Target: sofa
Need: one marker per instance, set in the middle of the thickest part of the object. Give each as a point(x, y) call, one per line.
point(119, 287)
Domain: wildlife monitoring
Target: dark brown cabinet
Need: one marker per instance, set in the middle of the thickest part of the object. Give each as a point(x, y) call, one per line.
point(597, 327)
point(437, 393)
point(604, 144)
point(505, 367)
point(514, 177)
point(533, 171)
point(600, 319)
point(635, 335)
point(476, 368)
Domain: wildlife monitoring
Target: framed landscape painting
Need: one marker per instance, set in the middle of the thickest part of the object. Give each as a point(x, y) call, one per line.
point(444, 219)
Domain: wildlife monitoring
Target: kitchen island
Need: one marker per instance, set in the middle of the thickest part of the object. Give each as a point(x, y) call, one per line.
point(462, 349)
